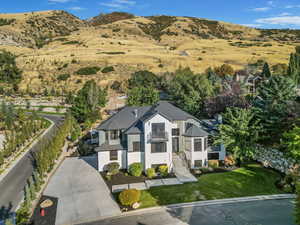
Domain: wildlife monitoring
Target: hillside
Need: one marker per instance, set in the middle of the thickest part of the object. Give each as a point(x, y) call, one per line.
point(53, 46)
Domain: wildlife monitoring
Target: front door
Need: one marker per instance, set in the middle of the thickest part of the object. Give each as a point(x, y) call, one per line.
point(175, 144)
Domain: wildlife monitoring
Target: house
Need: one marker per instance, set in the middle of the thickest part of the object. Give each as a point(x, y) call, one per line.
point(153, 136)
point(251, 81)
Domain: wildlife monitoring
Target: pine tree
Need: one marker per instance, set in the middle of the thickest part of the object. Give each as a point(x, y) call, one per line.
point(27, 196)
point(294, 66)
point(266, 73)
point(37, 180)
point(32, 188)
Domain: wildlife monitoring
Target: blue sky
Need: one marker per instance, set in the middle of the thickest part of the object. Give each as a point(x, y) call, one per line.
point(258, 13)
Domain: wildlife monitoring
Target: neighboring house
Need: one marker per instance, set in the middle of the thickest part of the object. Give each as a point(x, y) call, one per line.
point(154, 135)
point(251, 81)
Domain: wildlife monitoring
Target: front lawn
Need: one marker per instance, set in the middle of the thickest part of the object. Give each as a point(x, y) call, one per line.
point(250, 180)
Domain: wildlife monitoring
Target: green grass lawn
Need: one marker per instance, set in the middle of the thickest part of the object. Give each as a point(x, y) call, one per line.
point(250, 180)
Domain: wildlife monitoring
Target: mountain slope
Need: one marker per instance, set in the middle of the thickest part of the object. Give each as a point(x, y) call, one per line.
point(55, 44)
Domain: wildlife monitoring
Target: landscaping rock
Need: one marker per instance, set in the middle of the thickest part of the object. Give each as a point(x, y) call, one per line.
point(275, 159)
point(136, 205)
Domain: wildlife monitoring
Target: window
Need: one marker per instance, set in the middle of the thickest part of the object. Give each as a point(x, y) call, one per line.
point(198, 163)
point(158, 147)
point(175, 132)
point(136, 146)
point(205, 143)
point(114, 134)
point(158, 129)
point(197, 145)
point(213, 156)
point(113, 155)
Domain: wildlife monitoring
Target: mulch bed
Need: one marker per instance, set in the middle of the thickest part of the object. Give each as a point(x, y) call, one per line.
point(50, 213)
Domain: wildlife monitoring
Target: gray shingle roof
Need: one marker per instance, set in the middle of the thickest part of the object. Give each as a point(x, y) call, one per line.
point(125, 119)
point(195, 131)
point(106, 147)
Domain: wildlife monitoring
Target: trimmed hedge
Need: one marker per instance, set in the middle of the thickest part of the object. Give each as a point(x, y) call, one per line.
point(163, 170)
point(113, 168)
point(129, 197)
point(135, 169)
point(88, 70)
point(150, 173)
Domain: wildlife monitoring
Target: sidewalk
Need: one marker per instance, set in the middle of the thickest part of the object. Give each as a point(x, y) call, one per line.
point(28, 148)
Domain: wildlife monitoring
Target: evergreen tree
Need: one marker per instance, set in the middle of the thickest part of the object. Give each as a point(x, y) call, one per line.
point(37, 180)
point(32, 188)
point(239, 133)
point(294, 66)
point(266, 73)
point(88, 101)
point(142, 96)
point(271, 105)
point(27, 196)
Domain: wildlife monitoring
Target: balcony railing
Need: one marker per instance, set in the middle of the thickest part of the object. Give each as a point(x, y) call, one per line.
point(158, 137)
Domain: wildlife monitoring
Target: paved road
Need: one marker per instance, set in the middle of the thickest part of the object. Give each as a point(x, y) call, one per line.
point(269, 212)
point(11, 187)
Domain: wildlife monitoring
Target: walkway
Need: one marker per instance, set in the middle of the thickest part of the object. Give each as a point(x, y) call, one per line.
point(182, 173)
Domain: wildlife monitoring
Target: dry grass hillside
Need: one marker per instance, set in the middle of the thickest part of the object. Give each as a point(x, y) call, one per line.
point(53, 44)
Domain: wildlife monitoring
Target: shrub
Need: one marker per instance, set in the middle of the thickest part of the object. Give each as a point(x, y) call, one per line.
point(72, 43)
point(63, 77)
point(229, 161)
point(163, 170)
point(88, 70)
point(150, 173)
point(116, 85)
point(213, 163)
point(4, 22)
point(113, 168)
point(129, 197)
point(108, 69)
point(135, 169)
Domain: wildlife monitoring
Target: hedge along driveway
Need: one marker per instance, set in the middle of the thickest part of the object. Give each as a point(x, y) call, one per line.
point(250, 180)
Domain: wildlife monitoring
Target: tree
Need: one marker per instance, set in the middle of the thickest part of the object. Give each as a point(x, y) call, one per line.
point(272, 106)
point(266, 73)
point(294, 66)
point(291, 140)
point(225, 69)
point(142, 96)
point(9, 72)
point(239, 133)
point(88, 101)
point(189, 90)
point(144, 79)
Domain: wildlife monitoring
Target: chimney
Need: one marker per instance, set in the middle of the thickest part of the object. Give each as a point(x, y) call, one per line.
point(135, 112)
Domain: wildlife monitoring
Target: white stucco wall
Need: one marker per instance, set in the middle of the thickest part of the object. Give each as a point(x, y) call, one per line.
point(198, 155)
point(104, 159)
point(136, 157)
point(158, 158)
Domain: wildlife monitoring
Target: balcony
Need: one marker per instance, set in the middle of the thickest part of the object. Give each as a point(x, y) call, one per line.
point(158, 137)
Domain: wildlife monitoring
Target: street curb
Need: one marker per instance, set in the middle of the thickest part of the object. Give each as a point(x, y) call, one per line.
point(15, 162)
point(196, 204)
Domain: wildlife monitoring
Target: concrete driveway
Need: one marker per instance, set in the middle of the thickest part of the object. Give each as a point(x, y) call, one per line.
point(82, 193)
